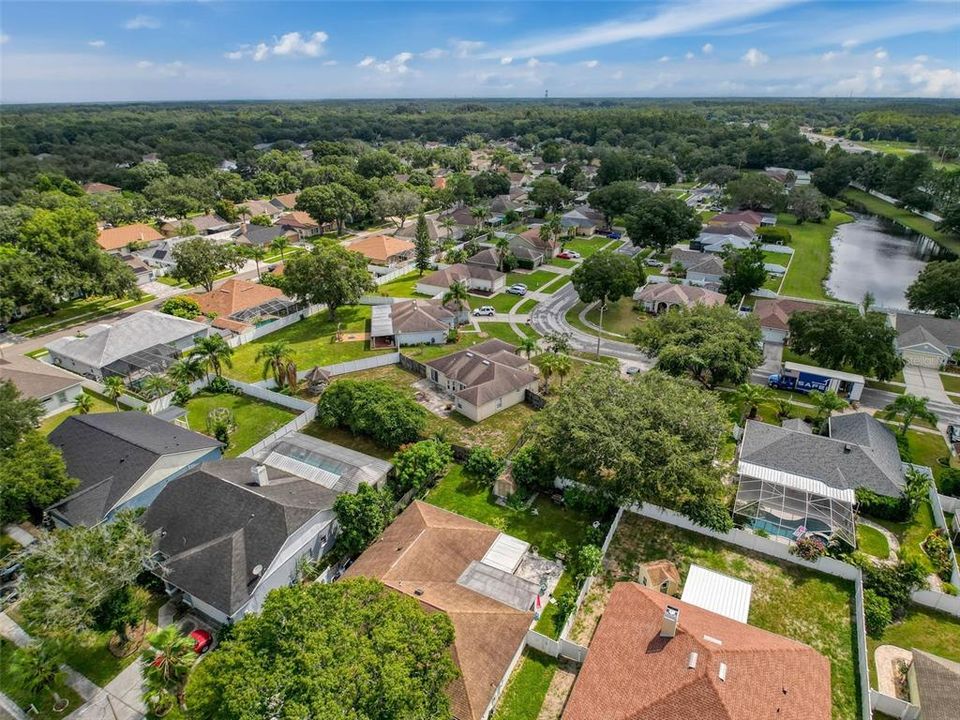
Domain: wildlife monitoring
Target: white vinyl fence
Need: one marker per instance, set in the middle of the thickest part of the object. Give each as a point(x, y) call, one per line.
point(893, 201)
point(271, 327)
point(298, 423)
point(894, 707)
point(262, 393)
point(941, 522)
point(949, 503)
point(363, 364)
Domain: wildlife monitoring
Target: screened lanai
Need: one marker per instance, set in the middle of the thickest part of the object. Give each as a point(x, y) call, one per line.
point(791, 506)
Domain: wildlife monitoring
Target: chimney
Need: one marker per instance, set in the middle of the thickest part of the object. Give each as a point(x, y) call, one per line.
point(260, 475)
point(671, 616)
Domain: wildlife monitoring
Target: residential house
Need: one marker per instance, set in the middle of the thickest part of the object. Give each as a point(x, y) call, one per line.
point(477, 278)
point(143, 343)
point(792, 479)
point(481, 578)
point(488, 257)
point(934, 685)
point(286, 202)
point(484, 379)
point(549, 248)
point(435, 231)
point(925, 340)
point(264, 235)
point(702, 268)
point(653, 656)
point(583, 219)
point(737, 229)
point(752, 218)
point(788, 177)
point(160, 256)
point(717, 244)
point(660, 297)
point(118, 238)
point(242, 303)
point(231, 531)
point(122, 460)
point(413, 322)
point(384, 251)
point(97, 188)
point(204, 225)
point(301, 223)
point(774, 316)
point(263, 207)
point(53, 388)
point(461, 215)
point(141, 271)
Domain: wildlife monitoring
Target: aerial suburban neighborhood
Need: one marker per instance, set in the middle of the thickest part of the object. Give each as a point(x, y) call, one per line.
point(485, 383)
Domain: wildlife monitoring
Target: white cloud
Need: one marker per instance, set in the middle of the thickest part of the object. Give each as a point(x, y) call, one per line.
point(880, 54)
point(754, 57)
point(849, 43)
point(877, 72)
point(664, 59)
point(236, 55)
point(532, 62)
point(4, 38)
point(942, 82)
point(261, 52)
point(397, 64)
point(591, 63)
point(618, 75)
point(330, 63)
point(294, 44)
point(367, 61)
point(97, 43)
point(144, 64)
point(707, 48)
point(921, 58)
point(506, 60)
point(433, 54)
point(689, 56)
point(142, 22)
point(465, 48)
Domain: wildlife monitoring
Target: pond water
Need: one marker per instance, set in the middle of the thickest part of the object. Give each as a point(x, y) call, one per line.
point(877, 256)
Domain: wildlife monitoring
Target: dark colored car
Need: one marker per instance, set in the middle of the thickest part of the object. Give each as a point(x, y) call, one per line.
point(613, 235)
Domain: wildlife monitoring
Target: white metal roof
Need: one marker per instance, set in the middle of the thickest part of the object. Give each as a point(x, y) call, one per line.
point(717, 593)
point(825, 372)
point(381, 321)
point(797, 482)
point(505, 553)
point(302, 469)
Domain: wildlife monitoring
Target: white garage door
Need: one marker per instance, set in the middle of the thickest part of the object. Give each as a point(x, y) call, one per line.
point(911, 357)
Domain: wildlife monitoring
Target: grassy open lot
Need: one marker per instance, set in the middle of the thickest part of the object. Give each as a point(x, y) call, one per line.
point(561, 262)
point(924, 629)
point(912, 534)
point(533, 280)
point(904, 149)
point(43, 702)
point(619, 317)
point(254, 418)
point(344, 438)
point(951, 382)
point(100, 405)
point(586, 246)
point(780, 258)
point(903, 216)
point(527, 688)
point(788, 600)
point(811, 254)
point(84, 309)
point(312, 342)
point(873, 542)
point(573, 317)
point(502, 302)
point(403, 286)
point(503, 331)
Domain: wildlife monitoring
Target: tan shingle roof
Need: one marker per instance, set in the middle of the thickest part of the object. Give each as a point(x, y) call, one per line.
point(632, 673)
point(489, 370)
point(380, 248)
point(775, 313)
point(289, 201)
point(235, 295)
point(686, 295)
point(93, 188)
point(119, 237)
point(460, 272)
point(35, 379)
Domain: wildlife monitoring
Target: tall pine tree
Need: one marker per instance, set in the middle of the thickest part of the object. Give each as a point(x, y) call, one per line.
point(422, 244)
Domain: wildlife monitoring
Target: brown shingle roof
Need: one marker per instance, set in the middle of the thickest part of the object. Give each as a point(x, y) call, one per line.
point(750, 217)
point(380, 248)
point(686, 295)
point(235, 295)
point(460, 272)
point(632, 673)
point(775, 313)
point(288, 201)
point(740, 229)
point(938, 684)
point(489, 370)
point(93, 188)
point(422, 554)
point(35, 379)
point(419, 316)
point(297, 219)
point(119, 237)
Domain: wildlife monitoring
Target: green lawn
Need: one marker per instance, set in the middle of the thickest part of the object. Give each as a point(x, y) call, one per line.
point(344, 438)
point(619, 317)
point(560, 262)
point(43, 702)
point(254, 418)
point(873, 542)
point(924, 448)
point(533, 280)
point(527, 687)
point(526, 307)
point(100, 405)
point(84, 309)
point(401, 287)
point(903, 216)
point(573, 317)
point(586, 246)
point(789, 600)
point(912, 534)
point(951, 382)
point(554, 523)
point(888, 387)
point(503, 331)
point(811, 255)
point(502, 302)
point(780, 258)
point(924, 629)
point(312, 342)
point(545, 625)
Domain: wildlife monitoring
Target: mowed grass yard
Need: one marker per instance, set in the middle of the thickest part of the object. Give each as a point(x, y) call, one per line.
point(619, 317)
point(100, 405)
point(527, 687)
point(811, 255)
point(873, 542)
point(502, 302)
point(404, 287)
point(254, 418)
point(922, 628)
point(503, 331)
point(533, 280)
point(951, 382)
point(312, 342)
point(85, 308)
point(588, 246)
point(788, 600)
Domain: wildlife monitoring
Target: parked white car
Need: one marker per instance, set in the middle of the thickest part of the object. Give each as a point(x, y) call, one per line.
point(517, 289)
point(485, 311)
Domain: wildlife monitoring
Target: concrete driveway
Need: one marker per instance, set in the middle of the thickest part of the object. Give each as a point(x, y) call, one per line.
point(924, 382)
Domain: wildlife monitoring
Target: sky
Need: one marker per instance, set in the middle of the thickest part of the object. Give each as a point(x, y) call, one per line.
point(218, 50)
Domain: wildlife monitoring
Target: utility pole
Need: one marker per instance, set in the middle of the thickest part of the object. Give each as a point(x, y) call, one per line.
point(603, 305)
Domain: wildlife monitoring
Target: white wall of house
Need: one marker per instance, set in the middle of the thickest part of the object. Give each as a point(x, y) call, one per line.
point(61, 400)
point(924, 355)
point(484, 411)
point(431, 290)
point(430, 337)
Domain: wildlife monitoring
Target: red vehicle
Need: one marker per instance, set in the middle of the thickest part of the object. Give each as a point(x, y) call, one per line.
point(569, 255)
point(202, 641)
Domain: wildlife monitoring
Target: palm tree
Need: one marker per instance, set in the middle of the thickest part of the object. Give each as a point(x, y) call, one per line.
point(528, 346)
point(83, 403)
point(154, 386)
point(826, 403)
point(548, 365)
point(256, 253)
point(478, 212)
point(456, 294)
point(275, 356)
point(279, 244)
point(37, 668)
point(555, 225)
point(750, 397)
point(185, 370)
point(447, 223)
point(562, 365)
point(909, 408)
point(214, 352)
point(503, 249)
point(113, 388)
point(167, 660)
point(782, 406)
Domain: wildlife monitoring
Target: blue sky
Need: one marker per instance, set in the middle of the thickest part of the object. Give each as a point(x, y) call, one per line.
point(96, 51)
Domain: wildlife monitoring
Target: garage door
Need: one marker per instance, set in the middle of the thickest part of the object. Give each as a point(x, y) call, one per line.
point(773, 336)
point(920, 359)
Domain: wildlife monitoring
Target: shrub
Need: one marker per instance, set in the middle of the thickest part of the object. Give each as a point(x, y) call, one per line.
point(881, 506)
point(418, 465)
point(894, 582)
point(588, 562)
point(368, 407)
point(776, 234)
point(483, 466)
point(937, 548)
point(760, 532)
point(566, 604)
point(948, 588)
point(876, 612)
point(587, 501)
point(362, 516)
point(531, 469)
point(950, 482)
point(182, 395)
point(181, 307)
point(809, 548)
point(219, 384)
point(709, 513)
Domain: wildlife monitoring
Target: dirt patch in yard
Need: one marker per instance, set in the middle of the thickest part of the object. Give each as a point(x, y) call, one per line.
point(354, 337)
point(559, 691)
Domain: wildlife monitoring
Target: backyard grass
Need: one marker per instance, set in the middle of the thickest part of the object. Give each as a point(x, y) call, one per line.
point(553, 523)
point(788, 600)
point(254, 419)
point(100, 405)
point(951, 382)
point(503, 331)
point(924, 629)
point(312, 342)
point(43, 701)
point(546, 625)
point(344, 438)
point(84, 309)
point(527, 687)
point(586, 246)
point(912, 534)
point(533, 280)
point(401, 287)
point(873, 542)
point(903, 216)
point(619, 317)
point(926, 448)
point(811, 255)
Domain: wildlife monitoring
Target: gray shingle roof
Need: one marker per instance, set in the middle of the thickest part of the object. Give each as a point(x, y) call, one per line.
point(35, 379)
point(938, 684)
point(860, 452)
point(943, 329)
point(489, 370)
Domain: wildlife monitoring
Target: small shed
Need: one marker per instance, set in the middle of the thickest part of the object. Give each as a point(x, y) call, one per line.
point(660, 575)
point(717, 593)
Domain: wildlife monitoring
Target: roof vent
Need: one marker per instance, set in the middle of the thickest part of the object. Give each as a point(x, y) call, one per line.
point(257, 570)
point(418, 592)
point(469, 354)
point(847, 448)
point(692, 661)
point(260, 475)
point(671, 617)
point(722, 672)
